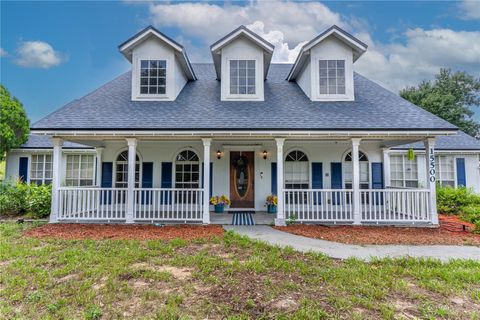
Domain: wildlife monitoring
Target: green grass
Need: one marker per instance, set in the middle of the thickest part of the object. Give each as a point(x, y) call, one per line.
point(2, 170)
point(232, 277)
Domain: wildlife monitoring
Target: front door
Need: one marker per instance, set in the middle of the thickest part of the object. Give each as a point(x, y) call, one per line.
point(242, 179)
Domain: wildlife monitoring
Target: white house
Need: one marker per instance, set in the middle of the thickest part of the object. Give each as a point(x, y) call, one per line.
point(155, 143)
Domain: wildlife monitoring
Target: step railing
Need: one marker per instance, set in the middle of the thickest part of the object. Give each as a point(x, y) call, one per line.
point(92, 203)
point(318, 205)
point(395, 205)
point(163, 204)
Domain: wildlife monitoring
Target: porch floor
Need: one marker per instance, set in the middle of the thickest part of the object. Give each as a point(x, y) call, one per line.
point(260, 218)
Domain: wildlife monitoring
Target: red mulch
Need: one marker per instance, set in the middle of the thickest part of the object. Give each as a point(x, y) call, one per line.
point(123, 232)
point(450, 232)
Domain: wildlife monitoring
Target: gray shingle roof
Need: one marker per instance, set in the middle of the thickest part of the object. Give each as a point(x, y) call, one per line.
point(459, 141)
point(198, 107)
point(44, 142)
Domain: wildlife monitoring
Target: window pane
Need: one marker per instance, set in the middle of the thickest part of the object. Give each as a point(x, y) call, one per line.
point(152, 73)
point(332, 77)
point(144, 64)
point(242, 77)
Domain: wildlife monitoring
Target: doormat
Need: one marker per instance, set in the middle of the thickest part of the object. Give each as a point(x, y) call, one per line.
point(243, 219)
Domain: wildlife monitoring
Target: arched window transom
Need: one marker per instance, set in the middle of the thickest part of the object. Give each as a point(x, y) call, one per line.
point(364, 170)
point(187, 170)
point(296, 170)
point(121, 170)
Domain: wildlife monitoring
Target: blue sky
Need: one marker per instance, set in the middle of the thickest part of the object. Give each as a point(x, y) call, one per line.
point(54, 52)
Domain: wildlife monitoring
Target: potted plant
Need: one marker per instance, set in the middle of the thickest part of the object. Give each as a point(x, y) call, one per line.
point(272, 202)
point(220, 202)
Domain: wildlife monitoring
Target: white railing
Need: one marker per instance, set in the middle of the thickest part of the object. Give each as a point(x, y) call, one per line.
point(390, 205)
point(318, 205)
point(92, 203)
point(168, 204)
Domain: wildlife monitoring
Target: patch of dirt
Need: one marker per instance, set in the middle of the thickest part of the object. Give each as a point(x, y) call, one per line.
point(124, 232)
point(286, 305)
point(176, 272)
point(391, 235)
point(68, 277)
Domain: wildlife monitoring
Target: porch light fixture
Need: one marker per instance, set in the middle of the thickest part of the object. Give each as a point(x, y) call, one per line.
point(219, 154)
point(264, 154)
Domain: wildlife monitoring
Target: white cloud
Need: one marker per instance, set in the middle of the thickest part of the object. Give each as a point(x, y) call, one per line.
point(423, 54)
point(470, 9)
point(3, 53)
point(38, 54)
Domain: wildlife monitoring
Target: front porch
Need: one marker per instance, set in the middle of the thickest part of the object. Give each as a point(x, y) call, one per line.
point(323, 181)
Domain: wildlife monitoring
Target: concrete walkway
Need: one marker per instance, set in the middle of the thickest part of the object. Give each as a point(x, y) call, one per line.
point(364, 252)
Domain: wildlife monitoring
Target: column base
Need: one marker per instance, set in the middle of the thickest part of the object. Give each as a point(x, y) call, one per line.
point(280, 222)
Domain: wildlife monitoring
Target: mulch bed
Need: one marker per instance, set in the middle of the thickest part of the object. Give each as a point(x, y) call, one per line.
point(450, 232)
point(123, 232)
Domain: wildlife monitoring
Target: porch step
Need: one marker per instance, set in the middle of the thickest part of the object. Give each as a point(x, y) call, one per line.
point(243, 219)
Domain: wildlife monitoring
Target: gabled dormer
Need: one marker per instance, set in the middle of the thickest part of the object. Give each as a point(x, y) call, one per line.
point(241, 60)
point(160, 66)
point(324, 66)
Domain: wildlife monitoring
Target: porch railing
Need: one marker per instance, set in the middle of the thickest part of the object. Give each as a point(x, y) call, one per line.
point(325, 205)
point(376, 205)
point(168, 204)
point(395, 205)
point(91, 203)
point(110, 204)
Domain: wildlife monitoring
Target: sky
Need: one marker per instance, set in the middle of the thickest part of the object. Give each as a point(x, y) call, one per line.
point(54, 52)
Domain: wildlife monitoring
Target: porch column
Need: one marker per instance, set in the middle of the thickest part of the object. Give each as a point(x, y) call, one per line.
point(431, 179)
point(357, 218)
point(206, 180)
point(132, 156)
point(280, 220)
point(386, 167)
point(98, 157)
point(56, 178)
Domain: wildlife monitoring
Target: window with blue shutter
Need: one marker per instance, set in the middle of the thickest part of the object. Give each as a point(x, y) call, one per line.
point(274, 178)
point(23, 169)
point(147, 181)
point(337, 181)
point(107, 177)
point(377, 181)
point(166, 182)
point(461, 176)
point(317, 181)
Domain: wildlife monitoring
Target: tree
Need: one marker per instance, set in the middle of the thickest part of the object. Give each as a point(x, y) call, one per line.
point(451, 96)
point(14, 123)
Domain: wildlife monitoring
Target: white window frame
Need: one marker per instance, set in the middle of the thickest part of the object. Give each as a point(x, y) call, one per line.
point(439, 175)
point(296, 181)
point(331, 95)
point(79, 178)
point(346, 164)
point(240, 97)
point(191, 182)
point(43, 179)
point(114, 178)
point(404, 161)
point(138, 71)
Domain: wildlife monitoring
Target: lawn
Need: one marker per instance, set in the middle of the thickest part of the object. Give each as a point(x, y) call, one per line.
point(223, 277)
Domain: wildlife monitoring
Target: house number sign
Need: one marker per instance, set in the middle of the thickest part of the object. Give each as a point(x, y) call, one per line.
point(432, 165)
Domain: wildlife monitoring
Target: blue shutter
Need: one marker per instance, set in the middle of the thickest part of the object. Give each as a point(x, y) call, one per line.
point(107, 175)
point(461, 177)
point(317, 180)
point(211, 178)
point(166, 181)
point(23, 169)
point(377, 175)
point(377, 181)
point(147, 181)
point(337, 181)
point(274, 177)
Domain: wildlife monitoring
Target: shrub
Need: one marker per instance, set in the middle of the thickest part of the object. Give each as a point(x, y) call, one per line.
point(452, 200)
point(20, 198)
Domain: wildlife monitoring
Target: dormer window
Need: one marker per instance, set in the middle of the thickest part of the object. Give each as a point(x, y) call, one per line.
point(332, 77)
point(153, 77)
point(242, 77)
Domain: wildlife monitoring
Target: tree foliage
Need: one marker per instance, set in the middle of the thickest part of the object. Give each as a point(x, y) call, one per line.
point(451, 96)
point(14, 123)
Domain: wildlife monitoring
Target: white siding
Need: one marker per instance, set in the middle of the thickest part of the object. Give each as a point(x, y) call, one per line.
point(304, 80)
